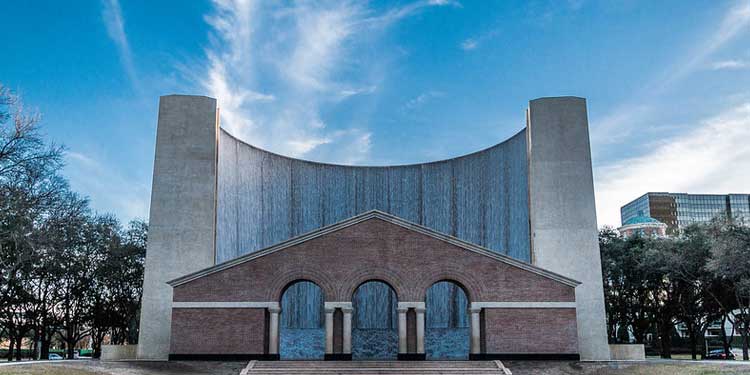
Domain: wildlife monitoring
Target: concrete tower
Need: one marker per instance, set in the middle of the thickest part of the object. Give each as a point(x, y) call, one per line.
point(562, 211)
point(182, 221)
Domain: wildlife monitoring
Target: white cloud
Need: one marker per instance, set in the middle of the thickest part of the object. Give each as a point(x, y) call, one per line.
point(630, 115)
point(469, 44)
point(712, 158)
point(276, 68)
point(730, 64)
point(421, 99)
point(113, 20)
point(108, 190)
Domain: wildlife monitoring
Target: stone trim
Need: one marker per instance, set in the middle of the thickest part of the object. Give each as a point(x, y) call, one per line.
point(523, 305)
point(226, 305)
point(385, 217)
point(411, 305)
point(337, 305)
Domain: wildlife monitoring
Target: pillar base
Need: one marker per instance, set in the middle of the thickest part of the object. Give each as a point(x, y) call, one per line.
point(338, 357)
point(411, 356)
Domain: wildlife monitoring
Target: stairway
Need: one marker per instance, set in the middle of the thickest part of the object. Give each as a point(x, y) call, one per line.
point(375, 367)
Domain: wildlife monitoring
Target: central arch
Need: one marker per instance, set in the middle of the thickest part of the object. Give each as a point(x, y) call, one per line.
point(302, 323)
point(447, 333)
point(375, 321)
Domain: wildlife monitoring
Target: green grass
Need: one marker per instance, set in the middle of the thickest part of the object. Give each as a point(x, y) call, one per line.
point(42, 369)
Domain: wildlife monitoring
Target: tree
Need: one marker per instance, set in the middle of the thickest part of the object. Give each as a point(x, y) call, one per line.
point(29, 184)
point(730, 262)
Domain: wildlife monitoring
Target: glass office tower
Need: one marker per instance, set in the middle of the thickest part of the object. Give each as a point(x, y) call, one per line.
point(679, 210)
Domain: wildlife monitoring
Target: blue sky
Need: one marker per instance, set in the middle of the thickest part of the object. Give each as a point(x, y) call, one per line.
point(382, 82)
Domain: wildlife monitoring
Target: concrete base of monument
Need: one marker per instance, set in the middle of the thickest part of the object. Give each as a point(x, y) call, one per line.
point(627, 352)
point(223, 357)
point(119, 352)
point(411, 356)
point(338, 357)
point(526, 356)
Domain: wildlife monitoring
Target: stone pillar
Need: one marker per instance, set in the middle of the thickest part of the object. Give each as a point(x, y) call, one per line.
point(562, 211)
point(402, 330)
point(476, 343)
point(347, 325)
point(329, 329)
point(273, 331)
point(420, 329)
point(182, 221)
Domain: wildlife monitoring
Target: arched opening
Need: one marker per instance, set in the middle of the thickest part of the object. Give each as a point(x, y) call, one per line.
point(375, 321)
point(302, 322)
point(447, 333)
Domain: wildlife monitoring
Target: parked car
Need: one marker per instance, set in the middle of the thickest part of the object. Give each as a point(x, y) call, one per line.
point(719, 354)
point(54, 357)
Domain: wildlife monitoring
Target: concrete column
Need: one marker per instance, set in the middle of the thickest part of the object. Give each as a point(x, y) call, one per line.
point(562, 211)
point(273, 330)
point(182, 220)
point(329, 329)
point(420, 329)
point(402, 330)
point(476, 335)
point(347, 326)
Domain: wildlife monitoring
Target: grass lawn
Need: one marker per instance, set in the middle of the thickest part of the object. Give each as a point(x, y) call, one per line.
point(42, 369)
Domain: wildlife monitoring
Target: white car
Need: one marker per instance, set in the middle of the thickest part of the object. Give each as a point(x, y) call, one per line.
point(55, 357)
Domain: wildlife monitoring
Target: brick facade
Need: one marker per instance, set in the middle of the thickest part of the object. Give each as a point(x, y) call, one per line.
point(534, 331)
point(218, 331)
point(374, 249)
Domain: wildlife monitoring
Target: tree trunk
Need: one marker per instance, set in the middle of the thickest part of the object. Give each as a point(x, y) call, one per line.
point(19, 341)
point(665, 342)
point(693, 343)
point(723, 335)
point(11, 345)
point(70, 346)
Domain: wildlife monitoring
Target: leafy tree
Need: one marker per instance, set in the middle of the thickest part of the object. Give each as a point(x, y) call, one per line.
point(730, 262)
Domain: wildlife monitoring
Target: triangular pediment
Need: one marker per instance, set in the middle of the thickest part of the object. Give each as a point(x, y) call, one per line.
point(370, 215)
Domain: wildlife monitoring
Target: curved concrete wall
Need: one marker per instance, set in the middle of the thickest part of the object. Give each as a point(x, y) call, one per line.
point(264, 198)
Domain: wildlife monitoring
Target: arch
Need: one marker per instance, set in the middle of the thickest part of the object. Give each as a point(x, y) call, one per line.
point(283, 281)
point(374, 321)
point(301, 323)
point(447, 329)
point(473, 288)
point(355, 279)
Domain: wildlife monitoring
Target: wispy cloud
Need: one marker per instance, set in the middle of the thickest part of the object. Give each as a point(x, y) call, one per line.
point(469, 44)
point(618, 124)
point(422, 99)
point(276, 68)
point(106, 187)
point(707, 159)
point(730, 65)
point(113, 20)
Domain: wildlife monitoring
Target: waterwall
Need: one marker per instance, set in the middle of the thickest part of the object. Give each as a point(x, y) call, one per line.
point(264, 198)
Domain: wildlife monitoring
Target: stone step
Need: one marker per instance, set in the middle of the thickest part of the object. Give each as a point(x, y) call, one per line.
point(375, 367)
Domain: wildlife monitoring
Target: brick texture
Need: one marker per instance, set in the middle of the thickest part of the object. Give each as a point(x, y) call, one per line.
point(371, 250)
point(374, 249)
point(530, 331)
point(218, 331)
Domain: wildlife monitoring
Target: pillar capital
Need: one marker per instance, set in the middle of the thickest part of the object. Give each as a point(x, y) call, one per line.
point(347, 310)
point(274, 309)
point(329, 310)
point(402, 310)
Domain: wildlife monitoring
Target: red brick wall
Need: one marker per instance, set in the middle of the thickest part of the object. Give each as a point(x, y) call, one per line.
point(375, 249)
point(530, 331)
point(218, 331)
point(339, 262)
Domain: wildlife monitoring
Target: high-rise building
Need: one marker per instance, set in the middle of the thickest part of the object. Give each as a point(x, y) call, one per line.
point(679, 210)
